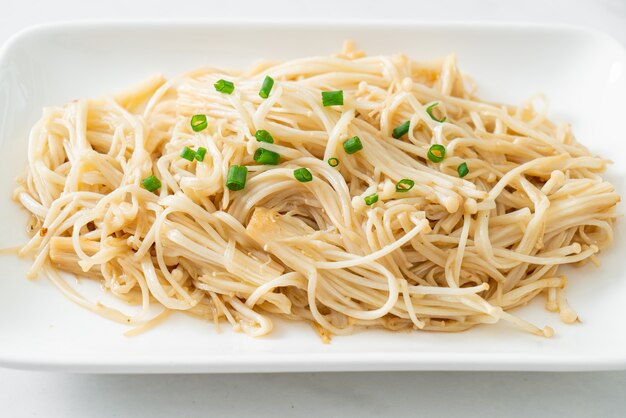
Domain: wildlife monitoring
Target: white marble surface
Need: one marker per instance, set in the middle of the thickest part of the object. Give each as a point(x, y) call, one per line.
point(31, 394)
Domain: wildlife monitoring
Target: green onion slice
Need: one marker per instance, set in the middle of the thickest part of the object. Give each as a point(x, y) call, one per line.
point(352, 145)
point(436, 153)
point(404, 185)
point(188, 154)
point(266, 87)
point(332, 98)
point(267, 157)
point(401, 129)
point(200, 154)
point(236, 179)
point(371, 199)
point(198, 123)
point(333, 162)
point(429, 110)
point(151, 183)
point(224, 86)
point(303, 175)
point(263, 136)
point(462, 170)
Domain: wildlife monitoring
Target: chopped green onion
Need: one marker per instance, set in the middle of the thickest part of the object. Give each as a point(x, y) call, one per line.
point(462, 170)
point(371, 199)
point(436, 153)
point(200, 154)
point(236, 179)
point(303, 175)
point(332, 98)
point(263, 136)
point(429, 110)
point(267, 157)
point(333, 162)
point(224, 86)
point(268, 83)
point(404, 185)
point(188, 154)
point(352, 145)
point(401, 129)
point(198, 123)
point(151, 183)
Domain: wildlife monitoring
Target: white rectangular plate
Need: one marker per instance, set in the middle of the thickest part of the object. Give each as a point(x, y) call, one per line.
point(581, 71)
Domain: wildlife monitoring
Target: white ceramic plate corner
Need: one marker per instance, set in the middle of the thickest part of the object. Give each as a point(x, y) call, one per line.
point(582, 71)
